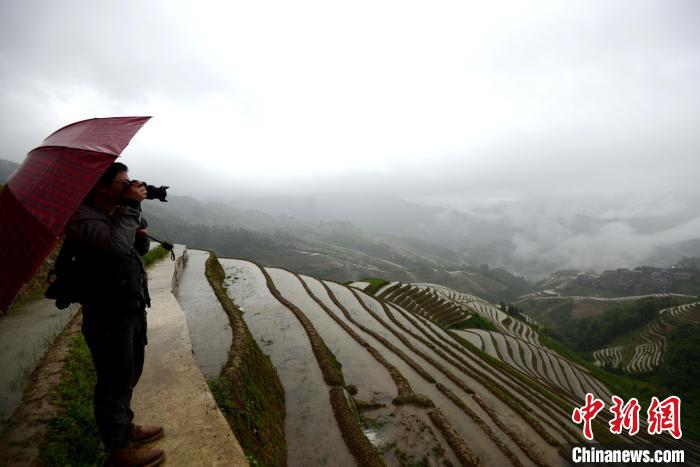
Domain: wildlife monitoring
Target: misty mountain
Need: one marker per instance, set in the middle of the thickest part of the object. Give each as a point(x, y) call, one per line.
point(331, 249)
point(533, 238)
point(6, 169)
point(530, 236)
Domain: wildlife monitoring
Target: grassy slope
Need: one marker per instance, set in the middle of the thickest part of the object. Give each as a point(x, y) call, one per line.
point(72, 436)
point(154, 255)
point(375, 283)
point(475, 322)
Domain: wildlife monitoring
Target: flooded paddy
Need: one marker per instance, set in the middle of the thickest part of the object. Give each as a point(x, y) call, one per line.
point(473, 435)
point(506, 413)
point(537, 361)
point(210, 330)
point(359, 368)
point(447, 364)
point(282, 337)
point(503, 348)
point(528, 358)
point(485, 337)
point(400, 433)
point(311, 431)
point(514, 351)
point(383, 288)
point(406, 436)
point(24, 337)
point(398, 313)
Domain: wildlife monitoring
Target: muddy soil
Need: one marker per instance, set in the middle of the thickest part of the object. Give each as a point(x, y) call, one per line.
point(405, 435)
point(210, 330)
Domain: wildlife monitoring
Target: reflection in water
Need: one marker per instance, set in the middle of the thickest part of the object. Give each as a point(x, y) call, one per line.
point(210, 330)
point(311, 431)
point(359, 367)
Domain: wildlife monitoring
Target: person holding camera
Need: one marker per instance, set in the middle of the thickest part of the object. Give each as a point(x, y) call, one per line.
point(105, 239)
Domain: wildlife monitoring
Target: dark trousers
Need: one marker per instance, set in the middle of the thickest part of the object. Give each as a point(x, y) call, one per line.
point(116, 340)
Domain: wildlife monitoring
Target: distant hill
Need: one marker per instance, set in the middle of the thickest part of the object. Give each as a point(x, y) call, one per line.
point(643, 351)
point(513, 236)
point(682, 278)
point(6, 169)
point(586, 323)
point(336, 250)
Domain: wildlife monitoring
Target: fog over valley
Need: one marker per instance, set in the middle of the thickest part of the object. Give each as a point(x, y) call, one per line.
point(534, 138)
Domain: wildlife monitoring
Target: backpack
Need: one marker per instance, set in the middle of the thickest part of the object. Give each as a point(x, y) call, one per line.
point(65, 278)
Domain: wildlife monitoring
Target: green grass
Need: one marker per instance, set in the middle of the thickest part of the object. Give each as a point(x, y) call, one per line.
point(475, 322)
point(72, 437)
point(154, 255)
point(375, 283)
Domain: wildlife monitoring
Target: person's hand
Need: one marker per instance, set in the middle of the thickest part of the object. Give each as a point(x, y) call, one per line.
point(135, 191)
point(141, 233)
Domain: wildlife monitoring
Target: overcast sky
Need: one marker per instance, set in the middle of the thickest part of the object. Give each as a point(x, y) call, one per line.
point(461, 104)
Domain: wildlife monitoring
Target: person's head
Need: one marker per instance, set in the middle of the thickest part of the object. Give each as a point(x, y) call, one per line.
point(111, 185)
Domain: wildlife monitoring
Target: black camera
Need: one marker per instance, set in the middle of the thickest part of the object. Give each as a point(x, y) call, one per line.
point(156, 192)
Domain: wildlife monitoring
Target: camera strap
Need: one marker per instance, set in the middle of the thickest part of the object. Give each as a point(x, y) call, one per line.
point(167, 245)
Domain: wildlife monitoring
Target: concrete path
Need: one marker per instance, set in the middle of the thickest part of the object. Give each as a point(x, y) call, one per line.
point(172, 390)
point(24, 337)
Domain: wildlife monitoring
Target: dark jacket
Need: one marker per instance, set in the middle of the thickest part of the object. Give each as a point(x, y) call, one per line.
point(107, 257)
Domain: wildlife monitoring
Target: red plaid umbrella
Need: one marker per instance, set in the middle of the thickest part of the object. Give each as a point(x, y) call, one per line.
point(45, 191)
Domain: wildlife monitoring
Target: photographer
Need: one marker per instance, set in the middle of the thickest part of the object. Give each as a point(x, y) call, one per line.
point(106, 237)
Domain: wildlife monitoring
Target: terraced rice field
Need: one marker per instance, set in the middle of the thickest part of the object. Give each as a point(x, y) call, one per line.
point(420, 391)
point(609, 356)
point(415, 403)
point(645, 352)
point(312, 435)
point(516, 343)
point(209, 327)
point(448, 307)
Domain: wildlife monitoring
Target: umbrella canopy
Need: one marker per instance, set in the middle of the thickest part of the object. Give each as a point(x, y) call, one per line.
point(42, 195)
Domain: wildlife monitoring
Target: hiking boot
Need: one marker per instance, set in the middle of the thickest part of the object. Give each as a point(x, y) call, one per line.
point(146, 434)
point(135, 457)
